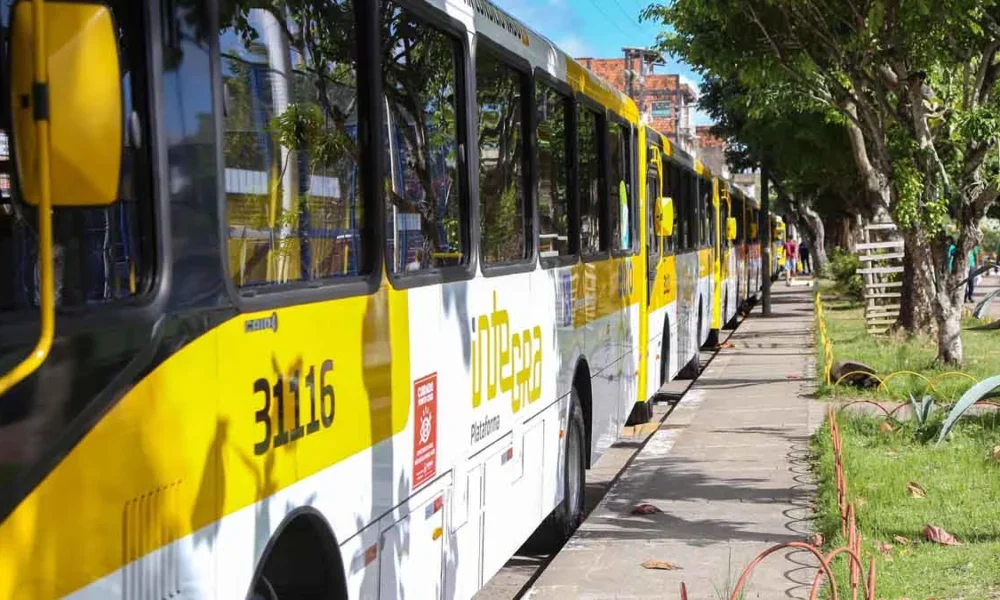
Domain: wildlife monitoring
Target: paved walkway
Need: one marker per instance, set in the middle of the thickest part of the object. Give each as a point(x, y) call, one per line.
point(728, 469)
point(988, 283)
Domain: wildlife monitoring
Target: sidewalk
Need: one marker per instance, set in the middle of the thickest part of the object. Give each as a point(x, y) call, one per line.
point(729, 470)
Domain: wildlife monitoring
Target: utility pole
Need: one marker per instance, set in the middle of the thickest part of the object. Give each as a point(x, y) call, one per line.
point(647, 58)
point(765, 240)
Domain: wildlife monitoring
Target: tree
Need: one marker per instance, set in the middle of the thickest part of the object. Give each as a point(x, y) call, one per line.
point(808, 156)
point(914, 83)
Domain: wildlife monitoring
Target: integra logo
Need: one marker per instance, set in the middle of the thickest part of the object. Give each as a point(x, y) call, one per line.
point(505, 361)
point(500, 19)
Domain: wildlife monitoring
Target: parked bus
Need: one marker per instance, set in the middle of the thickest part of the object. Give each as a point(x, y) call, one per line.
point(745, 209)
point(325, 298)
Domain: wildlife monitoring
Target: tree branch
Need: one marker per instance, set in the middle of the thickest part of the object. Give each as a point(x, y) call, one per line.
point(985, 73)
point(984, 199)
point(869, 175)
point(925, 139)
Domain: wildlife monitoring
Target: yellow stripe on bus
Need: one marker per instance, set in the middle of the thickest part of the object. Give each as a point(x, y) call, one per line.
point(664, 289)
point(162, 463)
point(585, 82)
point(605, 287)
point(704, 262)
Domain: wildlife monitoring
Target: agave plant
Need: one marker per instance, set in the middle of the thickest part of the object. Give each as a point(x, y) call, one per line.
point(982, 390)
point(922, 410)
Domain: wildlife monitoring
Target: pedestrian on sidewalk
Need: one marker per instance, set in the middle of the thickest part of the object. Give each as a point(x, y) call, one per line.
point(791, 254)
point(804, 257)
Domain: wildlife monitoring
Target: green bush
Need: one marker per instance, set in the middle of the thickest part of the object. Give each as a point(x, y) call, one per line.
point(843, 267)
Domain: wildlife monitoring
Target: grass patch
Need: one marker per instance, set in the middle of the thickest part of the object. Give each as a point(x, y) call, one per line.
point(889, 354)
point(963, 491)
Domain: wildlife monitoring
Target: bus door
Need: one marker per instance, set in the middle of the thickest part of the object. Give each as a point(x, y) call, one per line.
point(716, 240)
point(654, 190)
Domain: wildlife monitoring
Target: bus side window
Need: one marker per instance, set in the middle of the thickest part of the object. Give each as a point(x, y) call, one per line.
point(635, 182)
point(427, 219)
point(295, 206)
point(101, 255)
point(504, 225)
point(696, 213)
point(691, 214)
point(740, 213)
point(591, 196)
point(679, 187)
point(620, 184)
point(707, 212)
point(552, 161)
point(652, 198)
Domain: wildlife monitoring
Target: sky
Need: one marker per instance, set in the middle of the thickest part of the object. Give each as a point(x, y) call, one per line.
point(597, 29)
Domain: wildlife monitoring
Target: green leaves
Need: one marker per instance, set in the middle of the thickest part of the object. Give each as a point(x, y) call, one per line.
point(974, 394)
point(922, 410)
point(981, 123)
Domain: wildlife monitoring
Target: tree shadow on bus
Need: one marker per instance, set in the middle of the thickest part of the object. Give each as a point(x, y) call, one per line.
point(381, 378)
point(456, 298)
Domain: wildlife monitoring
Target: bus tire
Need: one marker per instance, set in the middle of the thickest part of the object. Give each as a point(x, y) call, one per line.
point(731, 322)
point(665, 354)
point(567, 516)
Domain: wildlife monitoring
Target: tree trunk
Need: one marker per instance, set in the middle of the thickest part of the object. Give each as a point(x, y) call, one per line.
point(916, 308)
point(949, 293)
point(950, 290)
point(815, 223)
point(948, 314)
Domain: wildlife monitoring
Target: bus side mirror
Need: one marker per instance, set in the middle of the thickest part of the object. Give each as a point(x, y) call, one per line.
point(83, 103)
point(665, 217)
point(731, 228)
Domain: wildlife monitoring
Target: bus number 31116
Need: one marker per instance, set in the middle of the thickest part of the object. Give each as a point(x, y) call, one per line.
point(323, 413)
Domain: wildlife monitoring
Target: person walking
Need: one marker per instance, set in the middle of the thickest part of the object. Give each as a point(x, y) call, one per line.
point(804, 257)
point(970, 285)
point(791, 255)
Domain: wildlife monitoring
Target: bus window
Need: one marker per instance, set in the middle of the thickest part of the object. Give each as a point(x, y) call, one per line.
point(652, 195)
point(634, 182)
point(553, 172)
point(739, 212)
point(679, 185)
point(725, 211)
point(101, 254)
point(706, 213)
point(295, 207)
point(668, 178)
point(588, 124)
point(500, 93)
point(711, 215)
point(620, 192)
point(693, 214)
point(426, 219)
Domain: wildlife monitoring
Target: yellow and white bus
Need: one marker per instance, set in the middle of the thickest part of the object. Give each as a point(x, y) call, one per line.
point(325, 298)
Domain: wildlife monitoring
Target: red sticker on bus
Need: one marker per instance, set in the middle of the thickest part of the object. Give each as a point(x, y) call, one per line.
point(424, 429)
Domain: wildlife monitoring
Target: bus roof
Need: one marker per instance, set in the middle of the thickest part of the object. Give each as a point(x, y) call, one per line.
point(483, 18)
